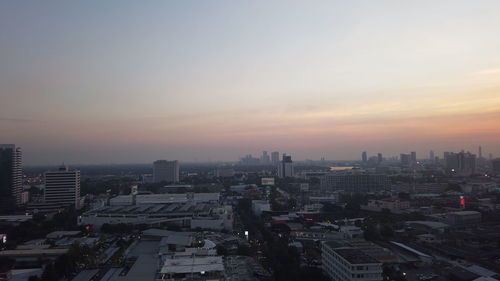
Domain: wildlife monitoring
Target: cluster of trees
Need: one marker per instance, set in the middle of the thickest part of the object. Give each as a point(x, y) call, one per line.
point(67, 265)
point(39, 227)
point(100, 186)
point(116, 186)
point(279, 203)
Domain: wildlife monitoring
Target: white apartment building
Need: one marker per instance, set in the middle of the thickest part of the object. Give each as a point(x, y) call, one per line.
point(167, 171)
point(62, 187)
point(349, 264)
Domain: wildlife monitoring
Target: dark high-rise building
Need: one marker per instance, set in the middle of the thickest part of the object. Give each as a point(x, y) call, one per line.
point(379, 158)
point(10, 175)
point(431, 155)
point(364, 157)
point(480, 152)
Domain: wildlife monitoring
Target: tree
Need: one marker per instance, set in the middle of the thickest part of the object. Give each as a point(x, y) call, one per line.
point(244, 250)
point(221, 250)
point(330, 208)
point(404, 195)
point(312, 273)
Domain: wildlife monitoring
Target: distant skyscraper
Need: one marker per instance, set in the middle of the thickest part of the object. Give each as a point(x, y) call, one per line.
point(405, 159)
point(463, 163)
point(10, 175)
point(431, 155)
point(480, 152)
point(496, 166)
point(491, 156)
point(379, 158)
point(275, 157)
point(285, 168)
point(264, 159)
point(249, 160)
point(446, 154)
point(167, 171)
point(364, 157)
point(62, 187)
point(413, 157)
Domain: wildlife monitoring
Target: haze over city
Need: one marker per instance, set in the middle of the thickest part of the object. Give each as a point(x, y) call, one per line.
point(130, 82)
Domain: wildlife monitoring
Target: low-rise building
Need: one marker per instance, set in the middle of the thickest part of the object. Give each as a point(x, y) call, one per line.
point(349, 264)
point(189, 214)
point(141, 199)
point(201, 268)
point(259, 206)
point(392, 204)
point(463, 218)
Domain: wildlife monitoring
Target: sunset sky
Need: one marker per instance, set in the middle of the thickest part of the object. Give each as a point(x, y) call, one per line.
point(134, 81)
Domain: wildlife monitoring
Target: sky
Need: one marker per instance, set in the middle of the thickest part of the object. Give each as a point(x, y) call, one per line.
point(93, 82)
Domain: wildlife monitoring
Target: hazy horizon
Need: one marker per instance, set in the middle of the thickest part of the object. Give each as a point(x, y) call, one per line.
point(127, 82)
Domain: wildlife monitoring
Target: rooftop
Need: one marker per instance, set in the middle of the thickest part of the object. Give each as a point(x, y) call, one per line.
point(431, 224)
point(465, 213)
point(355, 256)
point(59, 234)
point(194, 264)
point(33, 252)
point(144, 269)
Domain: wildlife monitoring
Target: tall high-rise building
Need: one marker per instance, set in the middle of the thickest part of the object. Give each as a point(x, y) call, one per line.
point(405, 159)
point(275, 157)
point(446, 154)
point(495, 163)
point(167, 171)
point(463, 163)
point(413, 157)
point(364, 157)
point(62, 187)
point(379, 158)
point(11, 175)
point(480, 152)
point(264, 159)
point(285, 167)
point(431, 155)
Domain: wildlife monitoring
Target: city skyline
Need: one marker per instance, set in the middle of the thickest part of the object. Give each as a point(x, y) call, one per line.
point(258, 157)
point(101, 83)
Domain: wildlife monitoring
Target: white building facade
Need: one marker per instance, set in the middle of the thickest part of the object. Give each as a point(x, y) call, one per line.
point(62, 187)
point(349, 264)
point(167, 171)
